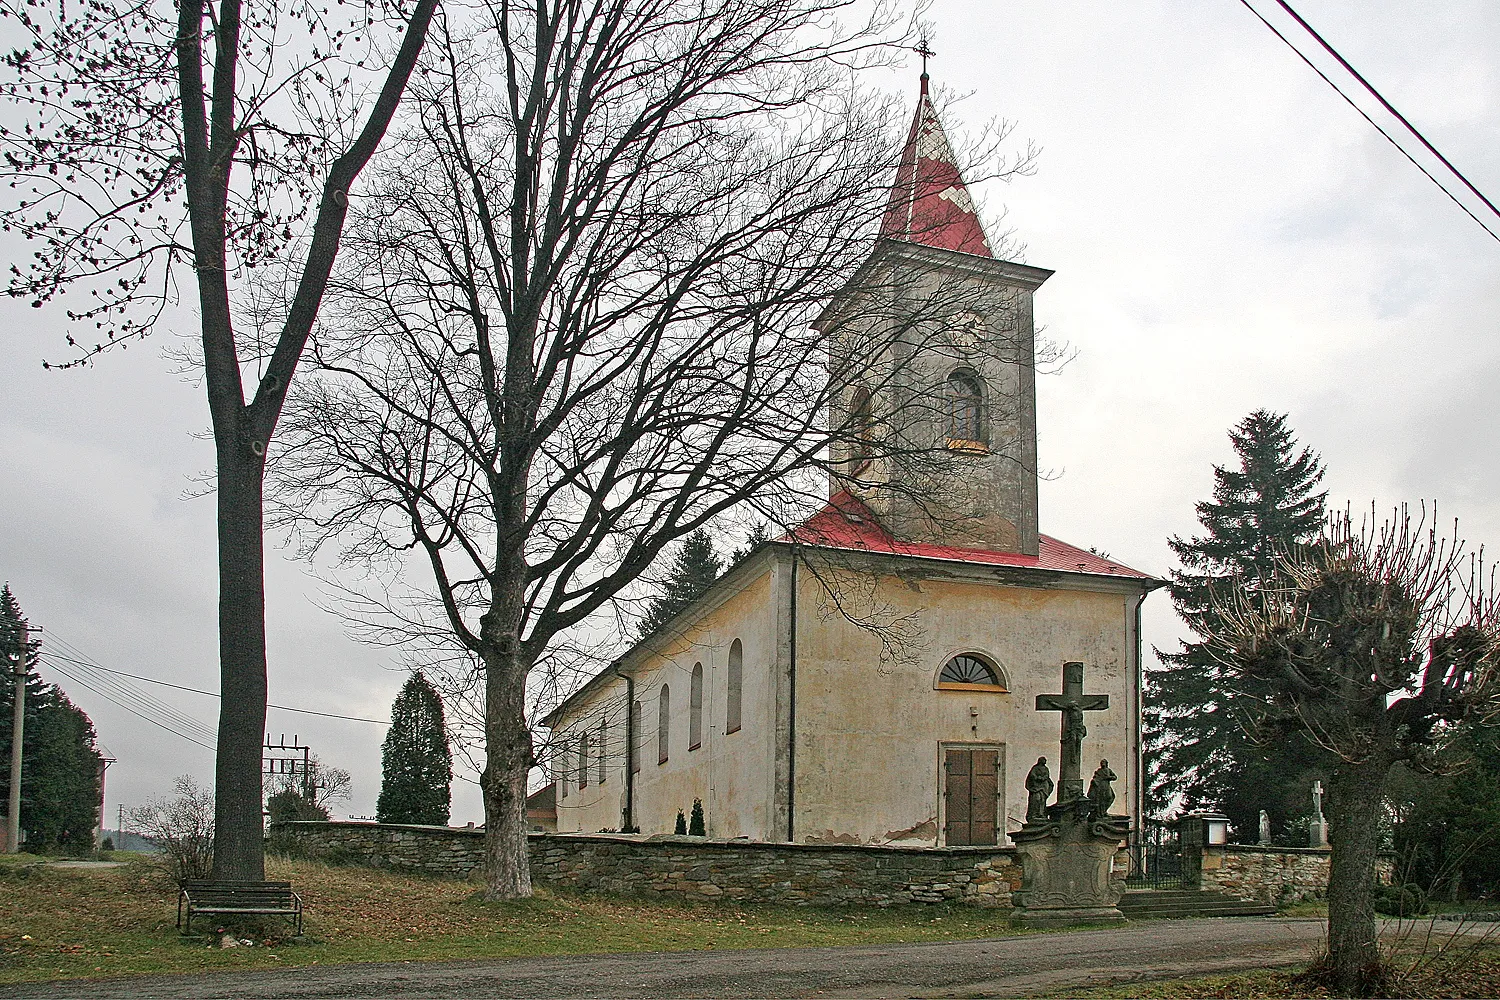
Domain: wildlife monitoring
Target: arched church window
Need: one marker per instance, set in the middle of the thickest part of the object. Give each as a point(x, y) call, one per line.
point(583, 761)
point(635, 737)
point(736, 691)
point(603, 754)
point(695, 708)
point(663, 723)
point(969, 672)
point(862, 428)
point(965, 410)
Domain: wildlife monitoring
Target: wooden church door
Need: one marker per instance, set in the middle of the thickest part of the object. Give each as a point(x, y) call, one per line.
point(970, 794)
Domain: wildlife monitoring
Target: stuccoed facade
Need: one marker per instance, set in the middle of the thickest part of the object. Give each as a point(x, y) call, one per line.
point(837, 742)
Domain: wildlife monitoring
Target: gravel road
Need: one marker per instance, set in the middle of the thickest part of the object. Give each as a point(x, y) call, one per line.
point(1004, 967)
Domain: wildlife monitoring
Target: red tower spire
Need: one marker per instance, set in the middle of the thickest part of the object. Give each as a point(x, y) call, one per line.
point(930, 204)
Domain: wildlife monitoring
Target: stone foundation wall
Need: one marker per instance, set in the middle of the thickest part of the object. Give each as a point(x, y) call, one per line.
point(686, 867)
point(1273, 874)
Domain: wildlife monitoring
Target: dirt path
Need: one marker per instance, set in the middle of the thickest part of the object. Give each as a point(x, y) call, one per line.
point(1004, 967)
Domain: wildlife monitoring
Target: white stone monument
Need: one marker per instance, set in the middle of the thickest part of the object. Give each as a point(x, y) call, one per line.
point(1317, 828)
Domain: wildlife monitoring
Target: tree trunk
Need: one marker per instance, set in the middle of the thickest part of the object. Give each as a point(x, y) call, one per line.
point(239, 849)
point(508, 759)
point(1354, 966)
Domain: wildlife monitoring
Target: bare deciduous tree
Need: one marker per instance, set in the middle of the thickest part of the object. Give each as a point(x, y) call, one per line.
point(576, 323)
point(182, 827)
point(217, 138)
point(1371, 640)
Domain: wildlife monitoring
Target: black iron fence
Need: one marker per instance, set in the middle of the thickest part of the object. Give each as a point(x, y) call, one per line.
point(1155, 856)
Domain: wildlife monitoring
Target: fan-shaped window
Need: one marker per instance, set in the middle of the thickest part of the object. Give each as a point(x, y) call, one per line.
point(663, 723)
point(736, 692)
point(965, 411)
point(862, 428)
point(968, 672)
point(695, 708)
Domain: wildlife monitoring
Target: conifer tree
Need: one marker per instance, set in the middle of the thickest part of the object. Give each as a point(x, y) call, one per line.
point(416, 765)
point(694, 570)
point(696, 825)
point(1198, 721)
point(60, 772)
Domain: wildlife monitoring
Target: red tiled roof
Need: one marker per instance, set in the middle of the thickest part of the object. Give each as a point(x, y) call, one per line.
point(930, 204)
point(846, 523)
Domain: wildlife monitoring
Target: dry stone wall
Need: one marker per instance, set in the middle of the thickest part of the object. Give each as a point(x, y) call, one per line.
point(685, 867)
point(1273, 874)
point(754, 872)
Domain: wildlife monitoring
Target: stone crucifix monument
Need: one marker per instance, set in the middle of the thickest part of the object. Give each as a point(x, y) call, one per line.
point(1067, 849)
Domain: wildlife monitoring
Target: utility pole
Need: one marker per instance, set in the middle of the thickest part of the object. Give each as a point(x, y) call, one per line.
point(13, 817)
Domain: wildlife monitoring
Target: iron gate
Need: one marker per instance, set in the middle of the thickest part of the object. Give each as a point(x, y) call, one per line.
point(1155, 856)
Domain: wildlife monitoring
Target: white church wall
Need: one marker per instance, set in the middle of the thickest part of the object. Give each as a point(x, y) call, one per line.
point(728, 772)
point(871, 734)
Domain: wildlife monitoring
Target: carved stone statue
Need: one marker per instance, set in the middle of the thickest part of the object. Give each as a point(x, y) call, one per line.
point(1072, 748)
point(1265, 827)
point(1038, 787)
point(1100, 792)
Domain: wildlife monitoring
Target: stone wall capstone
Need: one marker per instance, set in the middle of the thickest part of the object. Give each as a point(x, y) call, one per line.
point(684, 867)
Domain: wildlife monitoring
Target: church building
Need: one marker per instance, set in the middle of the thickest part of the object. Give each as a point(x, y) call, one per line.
point(873, 676)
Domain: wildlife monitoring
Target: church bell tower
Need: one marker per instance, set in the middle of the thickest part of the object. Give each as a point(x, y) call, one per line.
point(934, 362)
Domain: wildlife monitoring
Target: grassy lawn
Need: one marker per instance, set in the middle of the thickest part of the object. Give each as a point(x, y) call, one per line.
point(70, 923)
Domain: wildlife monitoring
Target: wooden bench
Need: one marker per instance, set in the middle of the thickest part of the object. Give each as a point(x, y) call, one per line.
point(206, 895)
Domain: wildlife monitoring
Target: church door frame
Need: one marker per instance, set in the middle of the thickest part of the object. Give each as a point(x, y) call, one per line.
point(1001, 814)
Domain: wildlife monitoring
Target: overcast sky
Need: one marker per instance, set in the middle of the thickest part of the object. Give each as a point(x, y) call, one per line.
point(1227, 234)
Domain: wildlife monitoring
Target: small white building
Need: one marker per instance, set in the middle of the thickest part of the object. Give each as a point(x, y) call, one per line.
point(872, 677)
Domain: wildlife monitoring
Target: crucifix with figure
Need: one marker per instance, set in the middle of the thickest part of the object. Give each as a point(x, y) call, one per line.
point(1072, 703)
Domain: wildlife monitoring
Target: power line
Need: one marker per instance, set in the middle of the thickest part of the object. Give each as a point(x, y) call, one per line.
point(101, 682)
point(213, 694)
point(1389, 138)
point(133, 711)
point(1388, 106)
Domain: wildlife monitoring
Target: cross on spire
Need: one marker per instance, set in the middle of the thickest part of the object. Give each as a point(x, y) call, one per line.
point(923, 49)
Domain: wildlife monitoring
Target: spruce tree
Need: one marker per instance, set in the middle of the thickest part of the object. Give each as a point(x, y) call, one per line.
point(1200, 735)
point(694, 570)
point(696, 825)
point(416, 765)
point(60, 767)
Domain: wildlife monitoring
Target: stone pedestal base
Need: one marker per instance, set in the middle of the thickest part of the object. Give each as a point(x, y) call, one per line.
point(1067, 916)
point(1066, 870)
point(1317, 833)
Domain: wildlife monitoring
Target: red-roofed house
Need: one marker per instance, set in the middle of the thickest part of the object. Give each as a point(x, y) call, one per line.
point(871, 677)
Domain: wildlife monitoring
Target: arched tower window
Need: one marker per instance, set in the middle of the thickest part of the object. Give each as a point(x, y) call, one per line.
point(862, 428)
point(663, 723)
point(695, 708)
point(965, 409)
point(970, 672)
point(736, 692)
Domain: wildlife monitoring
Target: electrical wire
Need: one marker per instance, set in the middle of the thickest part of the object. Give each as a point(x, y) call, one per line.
point(1373, 124)
point(215, 694)
point(1388, 106)
point(81, 668)
point(132, 710)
